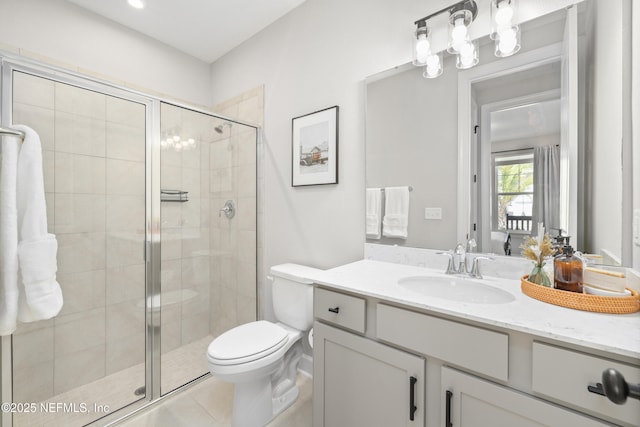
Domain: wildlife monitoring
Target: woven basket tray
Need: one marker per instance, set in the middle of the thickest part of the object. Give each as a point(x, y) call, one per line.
point(586, 302)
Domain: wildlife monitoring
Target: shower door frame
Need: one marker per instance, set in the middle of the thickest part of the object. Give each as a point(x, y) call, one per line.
point(10, 62)
point(151, 245)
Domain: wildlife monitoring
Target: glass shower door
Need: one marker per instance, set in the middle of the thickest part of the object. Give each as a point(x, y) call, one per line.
point(208, 255)
point(89, 361)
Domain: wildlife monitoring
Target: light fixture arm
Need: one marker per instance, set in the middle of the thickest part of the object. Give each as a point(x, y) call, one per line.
point(469, 5)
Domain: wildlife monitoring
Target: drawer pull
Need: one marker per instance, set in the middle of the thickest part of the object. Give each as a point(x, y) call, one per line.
point(335, 310)
point(616, 388)
point(412, 397)
point(447, 421)
point(597, 389)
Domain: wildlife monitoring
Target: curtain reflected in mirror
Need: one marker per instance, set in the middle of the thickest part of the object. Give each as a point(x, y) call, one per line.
point(546, 187)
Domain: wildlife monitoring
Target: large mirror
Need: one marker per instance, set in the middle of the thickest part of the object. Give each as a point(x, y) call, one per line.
point(492, 151)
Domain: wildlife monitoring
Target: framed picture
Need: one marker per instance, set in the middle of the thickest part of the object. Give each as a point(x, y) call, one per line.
point(315, 148)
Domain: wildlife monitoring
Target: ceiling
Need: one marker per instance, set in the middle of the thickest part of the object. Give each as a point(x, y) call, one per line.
point(205, 29)
point(526, 121)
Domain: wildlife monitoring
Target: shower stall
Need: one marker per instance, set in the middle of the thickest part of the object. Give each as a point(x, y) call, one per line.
point(154, 208)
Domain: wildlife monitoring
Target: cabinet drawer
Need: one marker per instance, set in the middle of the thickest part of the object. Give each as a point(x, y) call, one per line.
point(564, 376)
point(339, 309)
point(485, 352)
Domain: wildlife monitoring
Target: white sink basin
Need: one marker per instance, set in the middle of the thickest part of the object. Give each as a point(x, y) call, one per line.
point(456, 289)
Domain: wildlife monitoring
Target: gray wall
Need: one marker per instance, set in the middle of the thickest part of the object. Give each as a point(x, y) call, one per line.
point(412, 140)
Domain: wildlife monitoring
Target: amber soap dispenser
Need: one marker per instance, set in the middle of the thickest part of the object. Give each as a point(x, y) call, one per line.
point(567, 271)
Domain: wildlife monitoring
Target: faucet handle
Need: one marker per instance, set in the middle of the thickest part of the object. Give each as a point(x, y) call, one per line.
point(475, 269)
point(460, 258)
point(450, 267)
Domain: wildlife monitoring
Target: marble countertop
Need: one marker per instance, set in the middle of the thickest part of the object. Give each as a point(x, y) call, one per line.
point(614, 333)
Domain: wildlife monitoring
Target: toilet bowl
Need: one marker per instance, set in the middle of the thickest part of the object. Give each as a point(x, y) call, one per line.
point(261, 358)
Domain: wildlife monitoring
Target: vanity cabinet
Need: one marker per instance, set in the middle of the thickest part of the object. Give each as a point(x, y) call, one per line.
point(366, 350)
point(468, 401)
point(358, 382)
point(580, 374)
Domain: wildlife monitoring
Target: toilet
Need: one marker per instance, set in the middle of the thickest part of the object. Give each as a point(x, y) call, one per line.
point(261, 358)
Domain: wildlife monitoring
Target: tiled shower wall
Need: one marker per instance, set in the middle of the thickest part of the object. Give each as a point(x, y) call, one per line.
point(93, 154)
point(185, 251)
point(208, 268)
point(237, 243)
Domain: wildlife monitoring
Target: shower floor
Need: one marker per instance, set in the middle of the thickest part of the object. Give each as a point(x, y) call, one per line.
point(117, 390)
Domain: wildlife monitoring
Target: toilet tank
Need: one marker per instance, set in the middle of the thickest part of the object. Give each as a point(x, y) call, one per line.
point(292, 294)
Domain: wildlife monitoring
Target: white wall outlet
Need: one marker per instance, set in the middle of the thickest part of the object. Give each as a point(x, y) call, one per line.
point(432, 213)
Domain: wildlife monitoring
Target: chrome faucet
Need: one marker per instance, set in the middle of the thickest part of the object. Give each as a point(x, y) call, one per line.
point(475, 268)
point(458, 262)
point(460, 254)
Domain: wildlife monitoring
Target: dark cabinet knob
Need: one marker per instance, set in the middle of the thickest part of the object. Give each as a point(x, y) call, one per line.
point(616, 388)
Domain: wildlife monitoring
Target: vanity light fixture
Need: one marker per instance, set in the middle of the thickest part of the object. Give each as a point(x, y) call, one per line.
point(422, 54)
point(503, 31)
point(461, 14)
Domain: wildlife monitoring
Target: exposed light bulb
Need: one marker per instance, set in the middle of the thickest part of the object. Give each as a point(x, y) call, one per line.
point(504, 14)
point(467, 50)
point(459, 31)
point(422, 48)
point(468, 56)
point(176, 138)
point(433, 61)
point(433, 68)
point(508, 41)
point(431, 73)
point(466, 61)
point(191, 141)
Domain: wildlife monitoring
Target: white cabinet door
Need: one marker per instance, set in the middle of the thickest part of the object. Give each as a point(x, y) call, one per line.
point(360, 382)
point(468, 401)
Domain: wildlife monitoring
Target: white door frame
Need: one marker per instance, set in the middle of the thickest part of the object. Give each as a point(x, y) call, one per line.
point(545, 55)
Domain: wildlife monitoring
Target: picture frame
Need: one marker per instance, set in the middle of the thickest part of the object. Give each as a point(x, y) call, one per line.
point(314, 159)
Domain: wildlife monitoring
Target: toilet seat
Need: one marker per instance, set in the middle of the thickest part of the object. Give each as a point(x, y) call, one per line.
point(247, 343)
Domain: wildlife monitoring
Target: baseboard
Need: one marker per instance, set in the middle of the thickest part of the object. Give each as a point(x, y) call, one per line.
point(305, 366)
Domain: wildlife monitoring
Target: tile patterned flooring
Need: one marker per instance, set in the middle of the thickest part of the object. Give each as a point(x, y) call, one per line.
point(208, 404)
point(117, 390)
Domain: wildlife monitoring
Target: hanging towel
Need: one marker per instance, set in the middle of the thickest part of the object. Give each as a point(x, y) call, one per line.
point(40, 293)
point(374, 212)
point(396, 217)
point(9, 234)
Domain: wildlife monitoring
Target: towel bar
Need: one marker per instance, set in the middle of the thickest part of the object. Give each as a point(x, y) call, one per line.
point(7, 131)
point(410, 189)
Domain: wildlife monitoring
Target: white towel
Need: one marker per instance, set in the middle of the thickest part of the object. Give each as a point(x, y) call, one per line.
point(40, 295)
point(9, 234)
point(374, 212)
point(396, 212)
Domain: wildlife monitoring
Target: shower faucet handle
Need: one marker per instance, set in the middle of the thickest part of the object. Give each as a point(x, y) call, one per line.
point(229, 209)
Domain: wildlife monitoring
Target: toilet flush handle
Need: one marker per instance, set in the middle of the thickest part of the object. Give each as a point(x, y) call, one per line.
point(335, 310)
